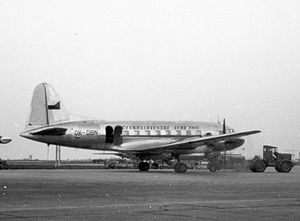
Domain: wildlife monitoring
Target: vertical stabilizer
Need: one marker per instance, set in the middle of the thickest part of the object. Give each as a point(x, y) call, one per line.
point(46, 107)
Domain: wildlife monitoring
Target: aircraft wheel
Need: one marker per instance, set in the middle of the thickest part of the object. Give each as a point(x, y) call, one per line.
point(111, 166)
point(259, 166)
point(144, 166)
point(212, 166)
point(180, 167)
point(285, 166)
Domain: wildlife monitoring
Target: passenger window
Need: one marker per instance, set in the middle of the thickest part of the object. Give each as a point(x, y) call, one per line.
point(147, 132)
point(168, 132)
point(158, 132)
point(188, 132)
point(178, 132)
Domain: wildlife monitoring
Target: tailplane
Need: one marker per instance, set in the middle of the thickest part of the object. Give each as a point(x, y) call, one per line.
point(46, 107)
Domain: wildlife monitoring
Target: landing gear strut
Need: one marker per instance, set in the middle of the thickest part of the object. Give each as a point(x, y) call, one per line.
point(144, 166)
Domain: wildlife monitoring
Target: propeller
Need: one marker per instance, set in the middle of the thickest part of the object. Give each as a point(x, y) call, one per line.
point(224, 127)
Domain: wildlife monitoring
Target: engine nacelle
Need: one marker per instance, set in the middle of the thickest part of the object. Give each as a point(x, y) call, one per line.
point(228, 144)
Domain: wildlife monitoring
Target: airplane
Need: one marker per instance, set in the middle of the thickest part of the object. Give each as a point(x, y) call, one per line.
point(49, 122)
point(5, 140)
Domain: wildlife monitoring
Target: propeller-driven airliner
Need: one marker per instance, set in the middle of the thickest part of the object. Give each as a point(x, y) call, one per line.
point(145, 141)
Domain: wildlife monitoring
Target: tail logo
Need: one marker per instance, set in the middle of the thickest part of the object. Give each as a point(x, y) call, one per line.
point(54, 107)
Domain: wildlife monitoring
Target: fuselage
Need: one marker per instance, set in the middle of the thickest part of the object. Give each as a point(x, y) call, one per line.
point(142, 134)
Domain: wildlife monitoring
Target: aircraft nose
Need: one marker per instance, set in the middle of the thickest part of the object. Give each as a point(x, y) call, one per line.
point(25, 135)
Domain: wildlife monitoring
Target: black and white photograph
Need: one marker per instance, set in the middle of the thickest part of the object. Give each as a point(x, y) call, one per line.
point(149, 110)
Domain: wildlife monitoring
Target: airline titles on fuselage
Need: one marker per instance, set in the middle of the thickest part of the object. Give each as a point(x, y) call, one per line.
point(149, 130)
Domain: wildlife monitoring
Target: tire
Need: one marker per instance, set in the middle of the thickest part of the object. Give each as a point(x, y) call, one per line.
point(144, 166)
point(253, 169)
point(112, 166)
point(180, 167)
point(259, 166)
point(285, 166)
point(277, 168)
point(213, 167)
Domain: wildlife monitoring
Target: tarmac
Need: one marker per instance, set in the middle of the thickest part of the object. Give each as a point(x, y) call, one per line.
point(127, 194)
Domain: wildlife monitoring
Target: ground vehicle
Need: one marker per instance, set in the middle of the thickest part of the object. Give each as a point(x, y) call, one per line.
point(271, 158)
point(230, 161)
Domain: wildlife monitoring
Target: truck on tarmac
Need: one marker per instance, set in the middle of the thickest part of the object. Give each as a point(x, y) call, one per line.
point(271, 158)
point(223, 161)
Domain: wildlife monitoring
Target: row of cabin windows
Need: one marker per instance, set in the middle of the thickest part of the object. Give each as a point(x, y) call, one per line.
point(159, 132)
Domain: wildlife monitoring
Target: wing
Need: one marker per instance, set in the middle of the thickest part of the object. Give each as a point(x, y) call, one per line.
point(192, 143)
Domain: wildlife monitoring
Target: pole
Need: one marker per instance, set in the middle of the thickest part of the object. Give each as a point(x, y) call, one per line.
point(47, 152)
point(55, 165)
point(59, 156)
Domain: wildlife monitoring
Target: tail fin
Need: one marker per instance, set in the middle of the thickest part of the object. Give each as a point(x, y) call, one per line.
point(46, 107)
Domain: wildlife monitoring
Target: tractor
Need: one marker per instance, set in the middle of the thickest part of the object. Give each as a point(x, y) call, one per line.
point(271, 158)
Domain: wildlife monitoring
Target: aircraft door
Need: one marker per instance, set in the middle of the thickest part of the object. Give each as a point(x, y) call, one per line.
point(109, 135)
point(118, 135)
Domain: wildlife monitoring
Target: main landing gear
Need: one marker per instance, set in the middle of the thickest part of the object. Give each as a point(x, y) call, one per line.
point(180, 167)
point(144, 166)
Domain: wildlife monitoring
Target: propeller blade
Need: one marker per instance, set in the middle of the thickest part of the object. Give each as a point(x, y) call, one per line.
point(224, 126)
point(224, 132)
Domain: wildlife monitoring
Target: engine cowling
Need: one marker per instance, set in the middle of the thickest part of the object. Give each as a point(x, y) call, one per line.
point(228, 144)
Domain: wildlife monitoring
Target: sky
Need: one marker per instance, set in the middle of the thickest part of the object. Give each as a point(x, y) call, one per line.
point(154, 60)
